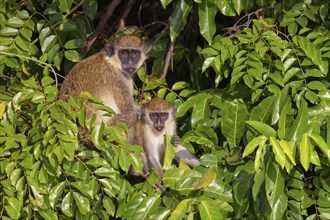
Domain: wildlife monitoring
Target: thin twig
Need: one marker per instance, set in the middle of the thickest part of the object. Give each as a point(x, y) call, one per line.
point(167, 59)
point(110, 9)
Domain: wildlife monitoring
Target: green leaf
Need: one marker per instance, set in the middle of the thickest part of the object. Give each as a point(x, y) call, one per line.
point(48, 43)
point(206, 13)
point(262, 128)
point(180, 85)
point(181, 180)
point(165, 3)
point(274, 183)
point(66, 205)
point(82, 202)
point(9, 31)
point(109, 206)
point(74, 43)
point(179, 18)
point(219, 190)
point(15, 22)
point(287, 150)
point(253, 144)
point(201, 109)
point(65, 6)
point(180, 211)
point(72, 55)
point(13, 207)
point(305, 151)
point(208, 210)
point(233, 121)
point(55, 193)
point(48, 214)
point(278, 151)
point(226, 7)
point(300, 124)
point(324, 147)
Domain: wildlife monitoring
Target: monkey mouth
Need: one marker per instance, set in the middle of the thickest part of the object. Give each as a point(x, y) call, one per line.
point(130, 70)
point(159, 128)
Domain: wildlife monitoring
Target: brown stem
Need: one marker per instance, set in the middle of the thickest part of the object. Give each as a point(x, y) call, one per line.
point(167, 60)
point(110, 8)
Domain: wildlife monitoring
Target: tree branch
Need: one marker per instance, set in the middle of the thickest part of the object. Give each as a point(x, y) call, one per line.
point(110, 8)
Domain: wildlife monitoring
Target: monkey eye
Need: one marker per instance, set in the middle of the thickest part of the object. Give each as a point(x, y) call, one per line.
point(164, 115)
point(124, 53)
point(153, 116)
point(135, 54)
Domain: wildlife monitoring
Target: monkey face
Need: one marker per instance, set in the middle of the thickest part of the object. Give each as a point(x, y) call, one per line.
point(159, 119)
point(129, 60)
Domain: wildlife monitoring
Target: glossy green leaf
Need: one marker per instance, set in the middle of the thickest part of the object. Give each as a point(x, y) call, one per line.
point(324, 147)
point(169, 152)
point(13, 207)
point(305, 151)
point(66, 205)
point(208, 210)
point(179, 18)
point(8, 31)
point(48, 43)
point(201, 109)
point(253, 144)
point(65, 6)
point(226, 7)
point(180, 210)
point(262, 128)
point(219, 190)
point(274, 183)
point(279, 208)
point(55, 193)
point(82, 202)
point(15, 22)
point(233, 121)
point(206, 13)
point(278, 151)
point(181, 180)
point(242, 183)
point(300, 124)
point(48, 214)
point(180, 85)
point(109, 206)
point(287, 150)
point(74, 43)
point(165, 2)
point(313, 53)
point(72, 55)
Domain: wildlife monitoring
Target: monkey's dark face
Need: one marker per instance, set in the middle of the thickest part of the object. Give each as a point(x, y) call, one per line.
point(159, 119)
point(129, 60)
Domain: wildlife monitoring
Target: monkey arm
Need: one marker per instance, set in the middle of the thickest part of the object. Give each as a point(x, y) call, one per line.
point(183, 154)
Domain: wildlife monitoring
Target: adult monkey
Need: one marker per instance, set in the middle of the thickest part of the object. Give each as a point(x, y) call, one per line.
point(108, 75)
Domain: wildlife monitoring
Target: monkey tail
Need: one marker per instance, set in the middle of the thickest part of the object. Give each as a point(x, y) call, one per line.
point(182, 154)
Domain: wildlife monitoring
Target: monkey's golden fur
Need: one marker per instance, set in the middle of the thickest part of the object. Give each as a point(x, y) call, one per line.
point(102, 76)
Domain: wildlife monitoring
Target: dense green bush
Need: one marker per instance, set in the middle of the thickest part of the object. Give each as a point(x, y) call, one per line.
point(253, 104)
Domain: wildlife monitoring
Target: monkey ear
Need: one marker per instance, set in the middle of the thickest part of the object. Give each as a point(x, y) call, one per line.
point(109, 48)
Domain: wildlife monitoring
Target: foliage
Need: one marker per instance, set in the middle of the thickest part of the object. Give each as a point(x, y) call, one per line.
point(254, 109)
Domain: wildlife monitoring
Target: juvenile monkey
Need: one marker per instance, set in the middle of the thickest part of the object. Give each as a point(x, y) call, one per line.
point(158, 119)
point(108, 75)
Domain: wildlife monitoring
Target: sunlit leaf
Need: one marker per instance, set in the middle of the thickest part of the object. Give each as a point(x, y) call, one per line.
point(208, 210)
point(206, 13)
point(305, 151)
point(82, 202)
point(233, 121)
